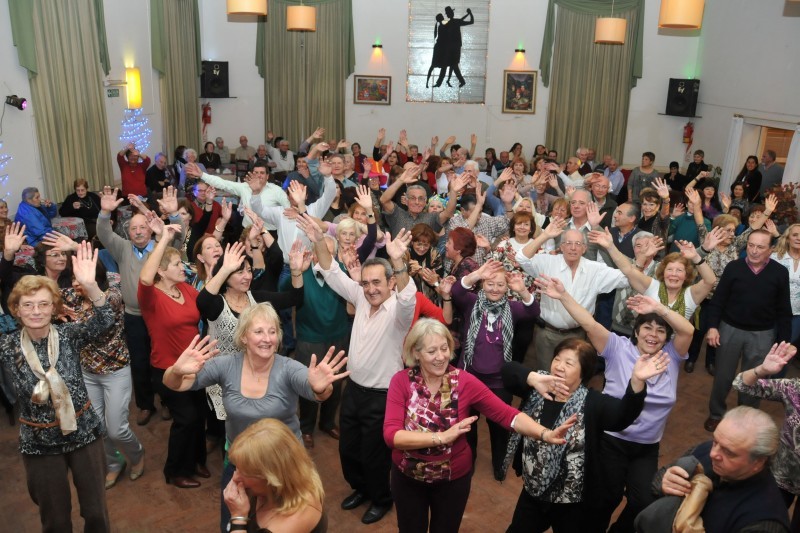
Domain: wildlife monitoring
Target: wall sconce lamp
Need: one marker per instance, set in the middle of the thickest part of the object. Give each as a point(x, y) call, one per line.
point(133, 91)
point(520, 50)
point(377, 45)
point(16, 101)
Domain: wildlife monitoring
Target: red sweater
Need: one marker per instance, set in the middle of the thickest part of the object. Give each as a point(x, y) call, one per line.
point(133, 177)
point(171, 325)
point(471, 394)
point(427, 309)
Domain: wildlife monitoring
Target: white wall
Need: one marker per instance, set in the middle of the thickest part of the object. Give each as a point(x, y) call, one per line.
point(748, 64)
point(18, 134)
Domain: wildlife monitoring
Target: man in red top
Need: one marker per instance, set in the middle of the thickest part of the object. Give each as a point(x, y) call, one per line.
point(133, 171)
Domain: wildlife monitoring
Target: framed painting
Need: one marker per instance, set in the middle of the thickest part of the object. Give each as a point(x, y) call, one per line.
point(519, 91)
point(375, 90)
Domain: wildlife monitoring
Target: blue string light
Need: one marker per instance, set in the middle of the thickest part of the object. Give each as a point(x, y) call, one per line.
point(4, 160)
point(135, 130)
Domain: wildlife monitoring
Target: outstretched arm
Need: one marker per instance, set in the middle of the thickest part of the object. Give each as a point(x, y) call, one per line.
point(552, 287)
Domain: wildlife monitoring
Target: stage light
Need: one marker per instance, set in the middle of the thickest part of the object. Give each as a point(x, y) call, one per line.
point(16, 101)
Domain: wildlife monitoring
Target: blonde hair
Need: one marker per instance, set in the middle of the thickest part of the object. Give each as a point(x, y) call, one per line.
point(677, 257)
point(263, 310)
point(423, 328)
point(782, 247)
point(348, 223)
point(268, 450)
point(169, 254)
point(28, 285)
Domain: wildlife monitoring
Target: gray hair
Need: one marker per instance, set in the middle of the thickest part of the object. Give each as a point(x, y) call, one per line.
point(218, 139)
point(28, 193)
point(189, 151)
point(759, 424)
point(482, 164)
point(379, 261)
point(472, 164)
point(641, 235)
point(417, 186)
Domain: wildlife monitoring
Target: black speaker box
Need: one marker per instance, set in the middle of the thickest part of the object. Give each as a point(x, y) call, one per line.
point(682, 97)
point(214, 79)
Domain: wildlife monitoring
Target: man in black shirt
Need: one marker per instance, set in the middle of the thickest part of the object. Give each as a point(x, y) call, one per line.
point(749, 312)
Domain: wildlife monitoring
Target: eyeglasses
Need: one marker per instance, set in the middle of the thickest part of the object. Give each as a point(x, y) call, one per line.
point(56, 254)
point(572, 243)
point(30, 306)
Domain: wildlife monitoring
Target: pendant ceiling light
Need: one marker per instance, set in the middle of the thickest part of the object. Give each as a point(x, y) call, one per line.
point(610, 30)
point(247, 7)
point(301, 18)
point(681, 14)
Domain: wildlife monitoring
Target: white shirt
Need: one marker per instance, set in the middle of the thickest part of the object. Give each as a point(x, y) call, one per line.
point(376, 344)
point(652, 292)
point(283, 163)
point(270, 195)
point(288, 231)
point(591, 279)
point(794, 280)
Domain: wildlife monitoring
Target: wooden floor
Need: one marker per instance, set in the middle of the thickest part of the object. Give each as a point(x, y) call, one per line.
point(150, 505)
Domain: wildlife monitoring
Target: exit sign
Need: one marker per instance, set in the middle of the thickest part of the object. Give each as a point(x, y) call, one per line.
point(112, 93)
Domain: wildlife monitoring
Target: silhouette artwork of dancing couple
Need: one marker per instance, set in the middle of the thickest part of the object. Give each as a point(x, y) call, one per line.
point(447, 46)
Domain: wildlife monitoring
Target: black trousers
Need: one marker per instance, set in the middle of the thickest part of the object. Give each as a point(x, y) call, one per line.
point(498, 435)
point(445, 501)
point(534, 515)
point(366, 460)
point(523, 336)
point(138, 340)
point(187, 436)
point(627, 468)
point(327, 409)
point(700, 335)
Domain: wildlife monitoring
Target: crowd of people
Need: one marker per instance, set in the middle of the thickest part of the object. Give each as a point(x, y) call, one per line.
point(254, 295)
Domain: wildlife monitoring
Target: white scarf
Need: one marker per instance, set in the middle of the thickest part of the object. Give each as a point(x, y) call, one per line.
point(50, 387)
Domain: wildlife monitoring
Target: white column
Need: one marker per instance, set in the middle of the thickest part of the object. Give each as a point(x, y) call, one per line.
point(791, 173)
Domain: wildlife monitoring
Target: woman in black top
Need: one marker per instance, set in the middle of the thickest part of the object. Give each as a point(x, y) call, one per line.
point(82, 204)
point(750, 177)
point(209, 159)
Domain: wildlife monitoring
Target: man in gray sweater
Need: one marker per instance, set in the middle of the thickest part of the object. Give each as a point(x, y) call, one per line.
point(131, 255)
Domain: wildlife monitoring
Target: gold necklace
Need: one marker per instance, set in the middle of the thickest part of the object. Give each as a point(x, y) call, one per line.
point(178, 297)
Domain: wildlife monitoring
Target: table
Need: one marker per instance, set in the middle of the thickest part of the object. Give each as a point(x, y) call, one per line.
point(72, 227)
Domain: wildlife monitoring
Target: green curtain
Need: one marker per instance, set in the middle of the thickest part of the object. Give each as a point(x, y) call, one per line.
point(597, 8)
point(304, 73)
point(591, 85)
point(67, 92)
point(175, 48)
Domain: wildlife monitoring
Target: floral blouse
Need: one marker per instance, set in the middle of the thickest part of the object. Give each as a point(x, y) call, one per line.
point(717, 259)
point(38, 433)
point(506, 253)
point(107, 353)
point(785, 465)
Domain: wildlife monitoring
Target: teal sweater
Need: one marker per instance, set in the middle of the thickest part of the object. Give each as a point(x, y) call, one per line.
point(323, 316)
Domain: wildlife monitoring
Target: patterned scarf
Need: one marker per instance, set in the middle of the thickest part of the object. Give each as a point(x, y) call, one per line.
point(680, 302)
point(480, 312)
point(546, 466)
point(430, 413)
point(51, 387)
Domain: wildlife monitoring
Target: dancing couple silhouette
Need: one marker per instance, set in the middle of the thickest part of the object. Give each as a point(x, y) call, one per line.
point(447, 46)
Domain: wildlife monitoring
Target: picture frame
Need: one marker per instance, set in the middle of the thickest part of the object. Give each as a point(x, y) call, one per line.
point(519, 91)
point(372, 90)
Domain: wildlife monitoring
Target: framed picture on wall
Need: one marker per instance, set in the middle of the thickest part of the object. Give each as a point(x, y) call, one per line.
point(375, 90)
point(519, 91)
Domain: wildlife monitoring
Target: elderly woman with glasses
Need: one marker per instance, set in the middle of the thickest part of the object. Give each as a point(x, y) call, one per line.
point(59, 430)
point(35, 213)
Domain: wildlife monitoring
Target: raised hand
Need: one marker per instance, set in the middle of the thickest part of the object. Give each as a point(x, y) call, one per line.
point(411, 175)
point(60, 242)
point(473, 139)
point(488, 269)
point(570, 191)
point(555, 228)
point(108, 200)
point(650, 365)
point(297, 192)
point(688, 250)
point(296, 256)
point(137, 202)
point(725, 200)
point(771, 203)
point(319, 133)
point(309, 226)
point(516, 282)
point(776, 359)
point(14, 238)
point(601, 237)
point(342, 144)
point(364, 198)
point(155, 223)
point(255, 231)
point(548, 385)
point(505, 175)
point(593, 214)
point(194, 357)
point(450, 140)
point(84, 265)
point(397, 247)
point(233, 258)
point(714, 238)
point(429, 276)
point(446, 286)
point(169, 201)
point(325, 168)
point(661, 188)
point(349, 256)
point(769, 225)
point(481, 241)
point(643, 305)
point(552, 287)
point(693, 196)
point(458, 184)
point(192, 170)
point(434, 140)
point(654, 245)
point(323, 374)
point(381, 134)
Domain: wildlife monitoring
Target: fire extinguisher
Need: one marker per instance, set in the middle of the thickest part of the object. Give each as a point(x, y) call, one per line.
point(688, 134)
point(206, 118)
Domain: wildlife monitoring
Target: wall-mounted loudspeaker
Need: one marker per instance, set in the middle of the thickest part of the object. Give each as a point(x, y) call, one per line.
point(214, 80)
point(682, 97)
